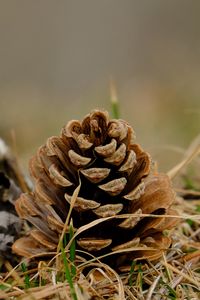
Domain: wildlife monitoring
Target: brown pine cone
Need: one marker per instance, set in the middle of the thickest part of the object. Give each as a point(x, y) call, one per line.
point(116, 179)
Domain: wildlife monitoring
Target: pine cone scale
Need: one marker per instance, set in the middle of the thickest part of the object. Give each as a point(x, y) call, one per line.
point(107, 150)
point(92, 244)
point(133, 243)
point(131, 221)
point(118, 156)
point(114, 187)
point(108, 210)
point(129, 163)
point(157, 190)
point(58, 177)
point(82, 204)
point(95, 175)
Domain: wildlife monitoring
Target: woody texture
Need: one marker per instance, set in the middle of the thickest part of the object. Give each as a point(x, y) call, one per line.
point(117, 185)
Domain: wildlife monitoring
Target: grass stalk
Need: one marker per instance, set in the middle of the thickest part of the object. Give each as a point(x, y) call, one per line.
point(72, 250)
point(26, 276)
point(68, 275)
point(114, 100)
point(130, 280)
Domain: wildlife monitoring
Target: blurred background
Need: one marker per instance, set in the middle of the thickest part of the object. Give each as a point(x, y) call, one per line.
point(56, 59)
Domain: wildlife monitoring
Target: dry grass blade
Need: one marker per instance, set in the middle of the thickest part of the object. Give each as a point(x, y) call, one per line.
point(45, 292)
point(184, 192)
point(16, 165)
point(185, 276)
point(73, 199)
point(96, 222)
point(13, 272)
point(192, 152)
point(152, 288)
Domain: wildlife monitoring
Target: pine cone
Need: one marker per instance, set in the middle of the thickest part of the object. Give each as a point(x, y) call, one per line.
point(116, 179)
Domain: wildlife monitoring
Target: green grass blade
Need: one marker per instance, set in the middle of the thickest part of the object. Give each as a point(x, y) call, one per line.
point(72, 250)
point(68, 275)
point(130, 280)
point(26, 276)
point(114, 101)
